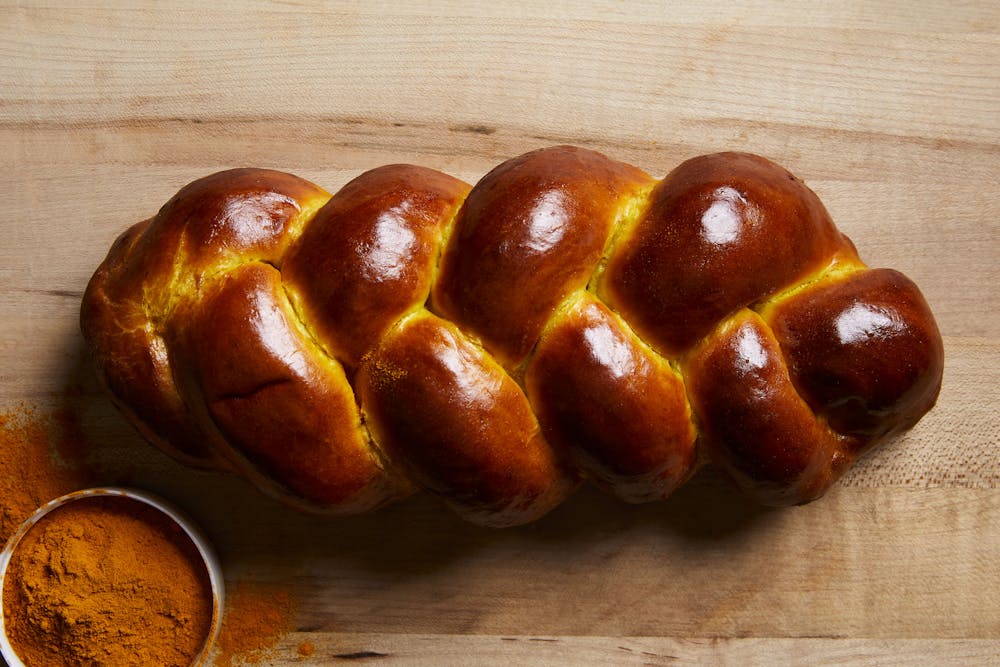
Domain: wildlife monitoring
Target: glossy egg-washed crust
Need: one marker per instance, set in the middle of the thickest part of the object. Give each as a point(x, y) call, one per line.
point(567, 318)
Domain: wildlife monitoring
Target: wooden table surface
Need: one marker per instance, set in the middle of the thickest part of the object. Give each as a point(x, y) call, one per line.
point(890, 111)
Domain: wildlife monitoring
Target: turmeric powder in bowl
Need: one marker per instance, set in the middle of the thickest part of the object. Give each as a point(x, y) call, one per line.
point(108, 577)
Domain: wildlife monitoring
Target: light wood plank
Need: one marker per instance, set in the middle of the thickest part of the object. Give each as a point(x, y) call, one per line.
point(890, 111)
point(463, 650)
point(292, 62)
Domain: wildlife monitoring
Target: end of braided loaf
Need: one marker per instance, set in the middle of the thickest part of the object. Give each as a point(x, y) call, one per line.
point(568, 318)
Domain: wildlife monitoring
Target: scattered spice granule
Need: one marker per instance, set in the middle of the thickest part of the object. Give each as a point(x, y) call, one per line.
point(257, 615)
point(42, 456)
point(306, 649)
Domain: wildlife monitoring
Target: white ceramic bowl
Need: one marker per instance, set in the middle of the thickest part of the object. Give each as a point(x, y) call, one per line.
point(202, 544)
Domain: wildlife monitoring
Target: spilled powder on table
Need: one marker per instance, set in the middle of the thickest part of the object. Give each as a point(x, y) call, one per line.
point(256, 617)
point(42, 456)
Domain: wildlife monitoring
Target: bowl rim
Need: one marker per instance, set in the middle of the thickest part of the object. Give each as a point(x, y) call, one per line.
point(190, 528)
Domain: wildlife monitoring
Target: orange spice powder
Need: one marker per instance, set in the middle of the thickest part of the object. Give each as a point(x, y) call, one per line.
point(42, 457)
point(44, 454)
point(257, 615)
point(107, 581)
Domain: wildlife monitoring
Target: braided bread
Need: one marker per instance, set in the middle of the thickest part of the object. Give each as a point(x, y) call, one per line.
point(567, 318)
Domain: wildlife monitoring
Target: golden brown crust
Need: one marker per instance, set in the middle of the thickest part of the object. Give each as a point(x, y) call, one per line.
point(318, 451)
point(461, 424)
point(864, 351)
point(222, 218)
point(721, 231)
point(531, 231)
point(568, 317)
point(369, 254)
point(618, 409)
point(754, 424)
point(131, 357)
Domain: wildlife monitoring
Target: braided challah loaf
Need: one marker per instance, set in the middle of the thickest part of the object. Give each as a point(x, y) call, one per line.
point(567, 318)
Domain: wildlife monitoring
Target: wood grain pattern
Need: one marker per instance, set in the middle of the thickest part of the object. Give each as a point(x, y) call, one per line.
point(890, 111)
point(448, 650)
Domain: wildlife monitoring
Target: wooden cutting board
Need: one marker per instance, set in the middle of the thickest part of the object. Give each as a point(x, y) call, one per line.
point(890, 111)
